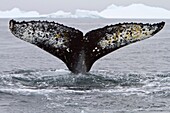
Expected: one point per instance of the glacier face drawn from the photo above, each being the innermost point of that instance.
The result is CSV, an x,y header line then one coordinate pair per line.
x,y
112,11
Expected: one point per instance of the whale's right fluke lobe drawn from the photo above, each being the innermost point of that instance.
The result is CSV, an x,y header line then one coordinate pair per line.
x,y
80,52
104,40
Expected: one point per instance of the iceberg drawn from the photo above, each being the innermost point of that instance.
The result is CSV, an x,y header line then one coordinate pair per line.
x,y
86,14
78,14
132,11
17,13
60,14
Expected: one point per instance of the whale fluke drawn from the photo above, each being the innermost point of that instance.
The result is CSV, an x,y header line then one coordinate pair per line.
x,y
80,52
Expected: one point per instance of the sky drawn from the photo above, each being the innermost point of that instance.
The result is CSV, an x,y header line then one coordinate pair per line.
x,y
50,6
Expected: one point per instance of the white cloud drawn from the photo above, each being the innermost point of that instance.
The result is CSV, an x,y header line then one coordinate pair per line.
x,y
113,11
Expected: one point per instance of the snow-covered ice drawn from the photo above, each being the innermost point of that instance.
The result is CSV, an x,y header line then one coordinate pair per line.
x,y
134,11
112,11
17,13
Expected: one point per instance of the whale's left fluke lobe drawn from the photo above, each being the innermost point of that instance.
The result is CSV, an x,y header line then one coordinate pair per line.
x,y
79,52
59,40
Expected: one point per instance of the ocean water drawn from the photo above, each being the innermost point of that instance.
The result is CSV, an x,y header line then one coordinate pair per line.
x,y
133,79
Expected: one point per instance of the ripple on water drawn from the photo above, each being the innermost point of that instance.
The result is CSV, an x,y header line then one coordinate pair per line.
x,y
102,81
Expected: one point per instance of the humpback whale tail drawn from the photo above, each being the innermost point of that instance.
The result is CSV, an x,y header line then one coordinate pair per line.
x,y
80,52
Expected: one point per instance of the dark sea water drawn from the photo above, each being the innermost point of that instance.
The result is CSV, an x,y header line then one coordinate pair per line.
x,y
133,79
